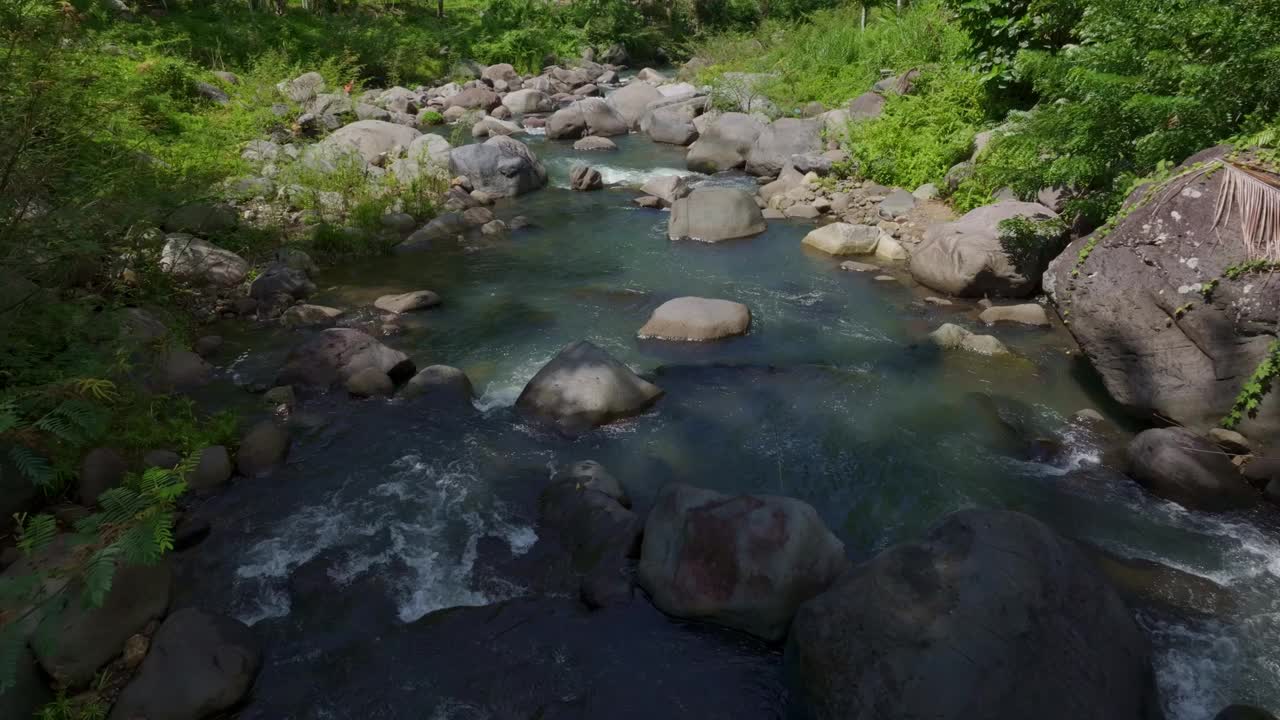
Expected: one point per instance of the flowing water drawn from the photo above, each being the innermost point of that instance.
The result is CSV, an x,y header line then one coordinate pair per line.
x,y
389,511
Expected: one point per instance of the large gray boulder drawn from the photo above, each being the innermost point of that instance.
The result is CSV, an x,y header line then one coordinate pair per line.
x,y
74,640
725,143
844,239
972,257
1124,300
672,124
631,101
992,615
190,258
747,562
480,98
528,101
583,386
588,116
1178,464
715,214
334,355
697,319
588,511
199,665
781,139
500,165
867,106
371,139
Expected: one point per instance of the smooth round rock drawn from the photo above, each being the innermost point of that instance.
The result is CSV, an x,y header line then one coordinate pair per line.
x,y
697,319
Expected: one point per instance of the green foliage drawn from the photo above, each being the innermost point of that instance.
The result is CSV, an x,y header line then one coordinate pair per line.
x,y
430,117
1235,272
920,136
1027,241
1258,385
1151,82
829,58
77,708
1000,29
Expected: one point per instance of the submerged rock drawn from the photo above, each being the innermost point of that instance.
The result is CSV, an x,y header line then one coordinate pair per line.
x,y
697,319
1026,314
746,562
1177,464
582,506
585,178
440,383
407,302
583,386
954,337
263,449
593,143
715,214
992,615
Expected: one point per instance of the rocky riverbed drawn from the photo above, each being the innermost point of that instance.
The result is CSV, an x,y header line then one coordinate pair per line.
x,y
658,418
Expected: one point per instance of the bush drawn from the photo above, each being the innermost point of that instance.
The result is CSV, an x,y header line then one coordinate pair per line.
x,y
829,58
920,136
1152,82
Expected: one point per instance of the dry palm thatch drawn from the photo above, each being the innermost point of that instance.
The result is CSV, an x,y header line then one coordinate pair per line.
x,y
1254,194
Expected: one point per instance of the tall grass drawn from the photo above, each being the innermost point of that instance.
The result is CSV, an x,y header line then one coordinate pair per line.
x,y
828,57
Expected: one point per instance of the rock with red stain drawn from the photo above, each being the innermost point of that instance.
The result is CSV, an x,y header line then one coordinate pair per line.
x,y
747,562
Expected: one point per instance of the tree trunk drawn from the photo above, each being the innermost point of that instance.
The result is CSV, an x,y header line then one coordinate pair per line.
x,y
440,8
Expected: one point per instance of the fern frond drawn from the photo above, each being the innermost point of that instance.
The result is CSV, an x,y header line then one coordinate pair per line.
x,y
99,573
32,466
9,417
36,531
121,504
12,648
98,389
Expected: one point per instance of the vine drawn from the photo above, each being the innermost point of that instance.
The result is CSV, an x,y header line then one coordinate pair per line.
x,y
1250,397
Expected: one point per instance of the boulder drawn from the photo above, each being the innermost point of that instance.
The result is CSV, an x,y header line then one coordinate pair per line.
x,y
199,665
672,125
954,337
890,249
302,88
500,165
73,640
1026,314
867,106
407,302
992,615
747,562
370,382
1124,302
725,144
1230,440
583,386
585,178
371,139
178,371
592,143
489,126
101,469
190,258
715,214
442,226
697,319
279,278
262,449
305,315
202,219
649,75
589,116
667,188
501,72
440,383
631,101
480,98
971,257
523,102
213,469
584,506
781,139
898,203
1179,465
844,239
331,356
